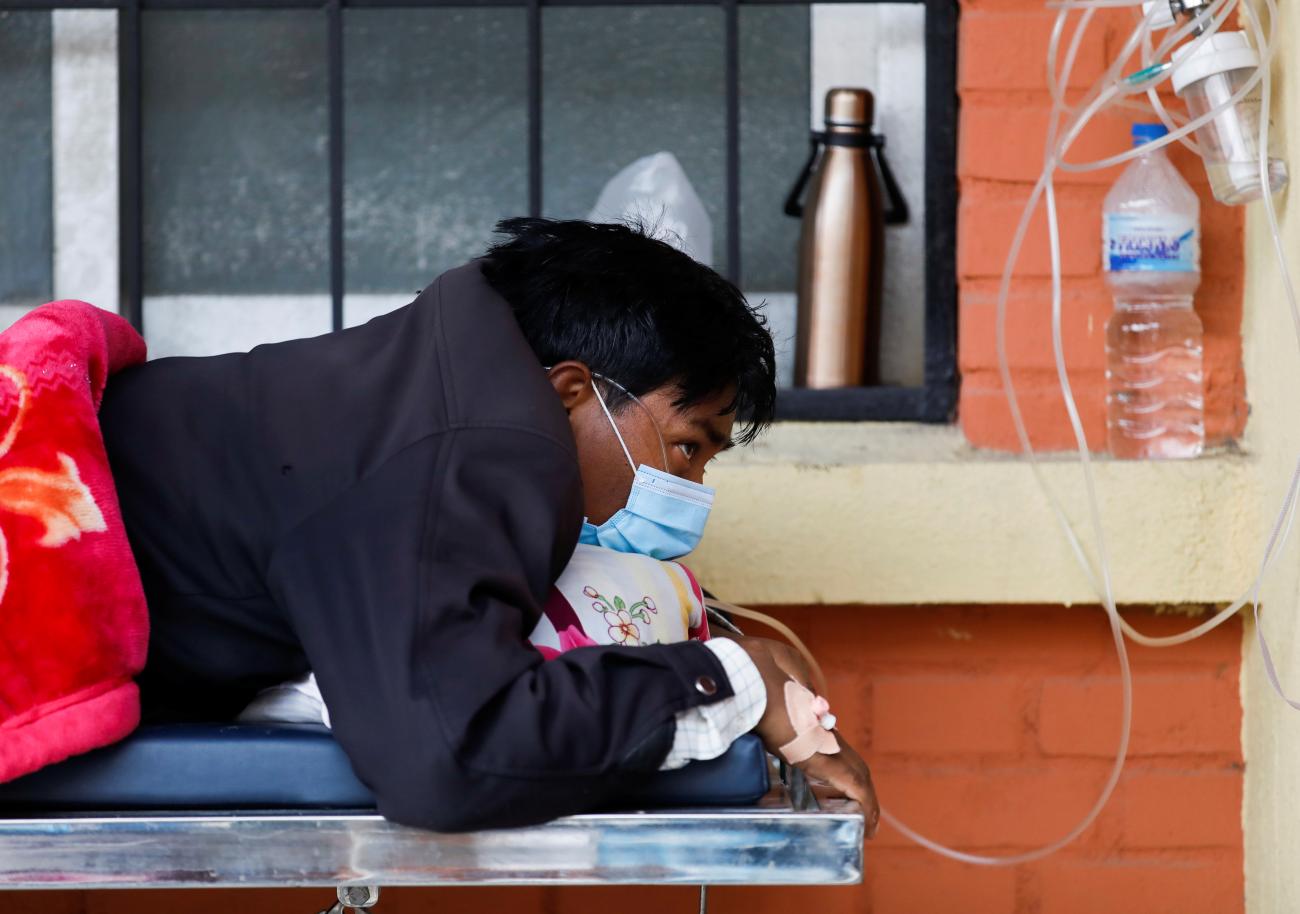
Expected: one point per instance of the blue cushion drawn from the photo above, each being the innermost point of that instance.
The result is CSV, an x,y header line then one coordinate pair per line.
x,y
300,766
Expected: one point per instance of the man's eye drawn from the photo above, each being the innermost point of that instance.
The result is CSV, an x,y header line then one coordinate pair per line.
x,y
689,449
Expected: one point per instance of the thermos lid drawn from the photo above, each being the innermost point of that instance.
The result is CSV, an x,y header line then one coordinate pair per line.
x,y
849,108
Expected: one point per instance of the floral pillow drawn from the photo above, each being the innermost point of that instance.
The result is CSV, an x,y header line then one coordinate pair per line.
x,y
603,597
608,597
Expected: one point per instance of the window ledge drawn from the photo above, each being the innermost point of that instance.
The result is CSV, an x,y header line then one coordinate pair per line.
x,y
900,513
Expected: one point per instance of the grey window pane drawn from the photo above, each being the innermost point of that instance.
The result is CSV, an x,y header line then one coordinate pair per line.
x,y
881,47
899,84
625,82
774,88
436,139
236,183
26,217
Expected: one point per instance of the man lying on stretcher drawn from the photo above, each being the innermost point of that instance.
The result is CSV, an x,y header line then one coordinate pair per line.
x,y
389,506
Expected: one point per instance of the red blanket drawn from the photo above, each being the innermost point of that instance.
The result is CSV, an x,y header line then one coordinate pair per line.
x,y
73,624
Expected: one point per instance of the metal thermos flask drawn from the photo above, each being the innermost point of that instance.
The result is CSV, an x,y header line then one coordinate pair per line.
x,y
841,246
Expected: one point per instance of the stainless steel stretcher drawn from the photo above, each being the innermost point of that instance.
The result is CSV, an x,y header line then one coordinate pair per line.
x,y
278,806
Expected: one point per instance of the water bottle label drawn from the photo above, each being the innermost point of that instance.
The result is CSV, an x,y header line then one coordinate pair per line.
x,y
1141,242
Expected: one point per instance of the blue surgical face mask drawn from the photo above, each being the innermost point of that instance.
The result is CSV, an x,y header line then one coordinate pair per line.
x,y
665,514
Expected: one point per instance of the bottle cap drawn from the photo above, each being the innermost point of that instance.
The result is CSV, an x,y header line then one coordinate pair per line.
x,y
1220,53
849,108
1146,133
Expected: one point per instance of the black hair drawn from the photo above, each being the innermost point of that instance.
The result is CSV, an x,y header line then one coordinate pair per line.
x,y
636,310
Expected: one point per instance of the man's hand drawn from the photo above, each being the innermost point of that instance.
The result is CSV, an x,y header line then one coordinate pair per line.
x,y
845,772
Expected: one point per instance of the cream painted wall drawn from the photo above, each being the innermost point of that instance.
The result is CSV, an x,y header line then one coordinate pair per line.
x,y
901,514
1271,731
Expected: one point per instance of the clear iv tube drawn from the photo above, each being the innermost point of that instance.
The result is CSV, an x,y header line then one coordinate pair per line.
x,y
1086,115
1196,25
819,678
1111,86
717,606
1110,90
1173,136
1091,4
1153,97
1044,190
1289,503
1121,652
1266,48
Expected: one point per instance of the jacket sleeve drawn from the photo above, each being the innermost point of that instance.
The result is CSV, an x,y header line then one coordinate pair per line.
x,y
412,595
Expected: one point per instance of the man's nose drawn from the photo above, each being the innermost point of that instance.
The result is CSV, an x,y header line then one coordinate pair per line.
x,y
688,472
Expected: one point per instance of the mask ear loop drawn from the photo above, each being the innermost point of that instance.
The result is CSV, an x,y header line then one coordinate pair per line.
x,y
614,426
663,450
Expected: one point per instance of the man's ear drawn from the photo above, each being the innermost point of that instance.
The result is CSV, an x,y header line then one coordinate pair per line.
x,y
572,381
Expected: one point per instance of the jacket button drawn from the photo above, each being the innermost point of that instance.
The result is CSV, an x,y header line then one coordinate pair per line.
x,y
706,686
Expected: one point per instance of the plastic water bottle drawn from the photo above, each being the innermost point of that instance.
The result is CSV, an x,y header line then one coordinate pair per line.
x,y
1151,253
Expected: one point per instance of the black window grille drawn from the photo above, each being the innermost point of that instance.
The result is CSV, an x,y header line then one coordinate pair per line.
x,y
932,401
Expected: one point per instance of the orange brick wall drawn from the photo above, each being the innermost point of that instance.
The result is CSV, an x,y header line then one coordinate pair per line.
x,y
991,728
1004,112
987,727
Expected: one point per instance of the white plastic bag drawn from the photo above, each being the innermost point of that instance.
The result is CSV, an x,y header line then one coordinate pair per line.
x,y
655,191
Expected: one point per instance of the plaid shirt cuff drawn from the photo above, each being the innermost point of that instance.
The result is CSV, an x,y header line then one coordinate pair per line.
x,y
706,731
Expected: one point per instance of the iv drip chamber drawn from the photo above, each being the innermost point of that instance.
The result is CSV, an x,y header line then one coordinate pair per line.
x,y
1205,78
